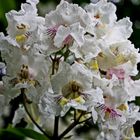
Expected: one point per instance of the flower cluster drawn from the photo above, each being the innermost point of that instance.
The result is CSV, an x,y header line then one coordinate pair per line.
x,y
75,61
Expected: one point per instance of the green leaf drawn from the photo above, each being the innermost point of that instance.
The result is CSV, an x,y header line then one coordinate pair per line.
x,y
24,132
5,6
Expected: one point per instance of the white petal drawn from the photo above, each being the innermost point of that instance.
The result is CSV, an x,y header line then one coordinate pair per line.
x,y
19,114
60,36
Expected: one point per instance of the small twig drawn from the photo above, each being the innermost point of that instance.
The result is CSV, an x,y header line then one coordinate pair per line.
x,y
85,120
70,127
66,54
74,115
60,57
54,63
56,125
51,57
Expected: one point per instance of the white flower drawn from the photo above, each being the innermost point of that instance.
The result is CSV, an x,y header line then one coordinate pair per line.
x,y
34,87
32,58
48,105
67,14
67,73
121,55
75,81
23,26
114,33
95,98
120,31
127,88
104,25
19,114
72,87
24,70
75,31
89,50
111,118
117,91
65,25
102,12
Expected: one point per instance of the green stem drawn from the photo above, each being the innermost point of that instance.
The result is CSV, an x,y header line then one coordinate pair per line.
x,y
30,116
53,67
55,61
66,54
70,127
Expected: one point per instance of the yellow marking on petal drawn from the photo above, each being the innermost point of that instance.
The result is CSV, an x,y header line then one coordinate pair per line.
x,y
21,38
132,131
32,82
71,89
78,113
94,64
79,100
85,117
122,107
107,115
120,59
126,139
63,101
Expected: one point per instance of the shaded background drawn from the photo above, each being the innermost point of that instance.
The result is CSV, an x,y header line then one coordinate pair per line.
x,y
130,8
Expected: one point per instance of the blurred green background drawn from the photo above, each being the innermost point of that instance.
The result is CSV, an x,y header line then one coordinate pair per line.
x,y
130,8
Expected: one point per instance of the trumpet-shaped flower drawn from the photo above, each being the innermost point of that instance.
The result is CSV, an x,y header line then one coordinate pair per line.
x,y
23,26
72,87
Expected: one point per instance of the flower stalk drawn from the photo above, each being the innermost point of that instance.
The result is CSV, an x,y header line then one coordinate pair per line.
x,y
30,116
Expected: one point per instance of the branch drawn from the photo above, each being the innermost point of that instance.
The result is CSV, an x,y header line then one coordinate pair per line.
x,y
70,127
56,125
30,116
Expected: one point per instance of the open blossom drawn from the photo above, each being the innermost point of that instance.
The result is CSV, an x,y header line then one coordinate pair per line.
x,y
102,12
89,50
120,55
72,87
25,20
65,25
26,69
24,25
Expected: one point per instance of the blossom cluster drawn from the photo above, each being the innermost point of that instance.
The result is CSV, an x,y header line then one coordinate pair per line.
x,y
74,60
